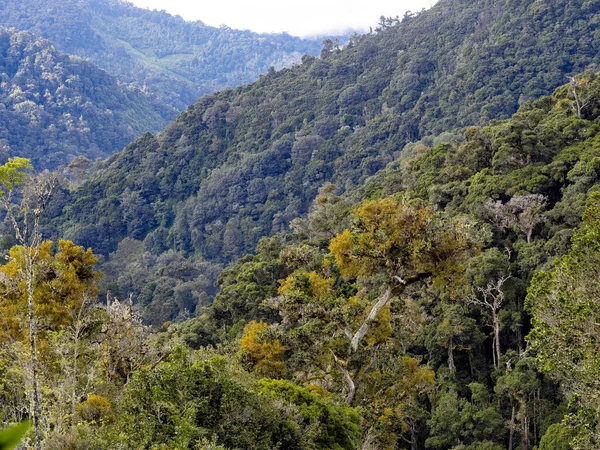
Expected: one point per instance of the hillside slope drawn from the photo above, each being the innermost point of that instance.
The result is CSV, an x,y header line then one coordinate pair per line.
x,y
54,107
242,163
175,59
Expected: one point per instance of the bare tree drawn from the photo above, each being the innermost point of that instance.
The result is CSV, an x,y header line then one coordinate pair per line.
x,y
525,212
491,298
529,212
24,216
580,105
126,341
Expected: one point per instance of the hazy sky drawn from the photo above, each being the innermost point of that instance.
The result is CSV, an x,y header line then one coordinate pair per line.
x,y
300,18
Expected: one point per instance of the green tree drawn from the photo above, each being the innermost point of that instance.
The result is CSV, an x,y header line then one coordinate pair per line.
x,y
565,305
403,243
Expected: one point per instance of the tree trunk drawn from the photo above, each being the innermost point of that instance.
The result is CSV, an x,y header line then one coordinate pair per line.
x,y
348,379
577,101
367,441
74,377
37,404
451,365
496,323
364,328
526,433
413,436
512,429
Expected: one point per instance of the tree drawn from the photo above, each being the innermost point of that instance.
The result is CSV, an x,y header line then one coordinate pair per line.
x,y
525,212
456,422
404,243
565,305
27,232
576,84
188,397
63,292
520,385
266,353
490,298
337,316
330,426
453,330
126,341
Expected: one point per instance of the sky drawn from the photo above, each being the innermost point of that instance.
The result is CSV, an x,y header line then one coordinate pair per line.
x,y
303,18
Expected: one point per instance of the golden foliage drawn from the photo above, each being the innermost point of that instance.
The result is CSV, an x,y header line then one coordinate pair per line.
x,y
96,410
61,282
265,352
381,329
402,239
308,283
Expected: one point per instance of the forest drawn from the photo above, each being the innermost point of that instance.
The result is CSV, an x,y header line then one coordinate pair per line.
x,y
55,107
175,60
394,245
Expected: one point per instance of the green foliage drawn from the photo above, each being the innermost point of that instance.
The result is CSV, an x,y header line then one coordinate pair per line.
x,y
174,59
564,304
180,402
96,410
12,175
245,285
557,437
56,107
11,437
166,286
242,163
324,424
373,316
458,423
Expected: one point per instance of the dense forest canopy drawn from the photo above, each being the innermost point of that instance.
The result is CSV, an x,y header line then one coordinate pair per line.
x,y
55,107
243,163
172,58
404,238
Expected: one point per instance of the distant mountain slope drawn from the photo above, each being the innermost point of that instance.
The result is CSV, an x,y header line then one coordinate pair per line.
x,y
54,107
176,59
243,163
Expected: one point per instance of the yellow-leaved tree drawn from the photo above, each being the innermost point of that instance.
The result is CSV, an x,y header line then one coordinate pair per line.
x,y
402,243
264,350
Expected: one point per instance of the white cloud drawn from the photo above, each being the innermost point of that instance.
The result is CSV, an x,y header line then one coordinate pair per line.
x,y
300,18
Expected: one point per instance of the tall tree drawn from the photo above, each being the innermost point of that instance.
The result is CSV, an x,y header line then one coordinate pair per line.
x,y
403,243
25,219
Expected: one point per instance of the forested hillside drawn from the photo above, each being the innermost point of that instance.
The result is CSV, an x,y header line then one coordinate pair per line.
x,y
172,58
425,309
404,234
413,300
54,107
242,163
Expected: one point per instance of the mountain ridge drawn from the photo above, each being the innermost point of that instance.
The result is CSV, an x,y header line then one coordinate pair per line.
x,y
256,155
173,58
55,107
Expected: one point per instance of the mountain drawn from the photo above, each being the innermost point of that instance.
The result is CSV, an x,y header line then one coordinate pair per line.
x,y
441,295
54,107
241,164
442,246
175,59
